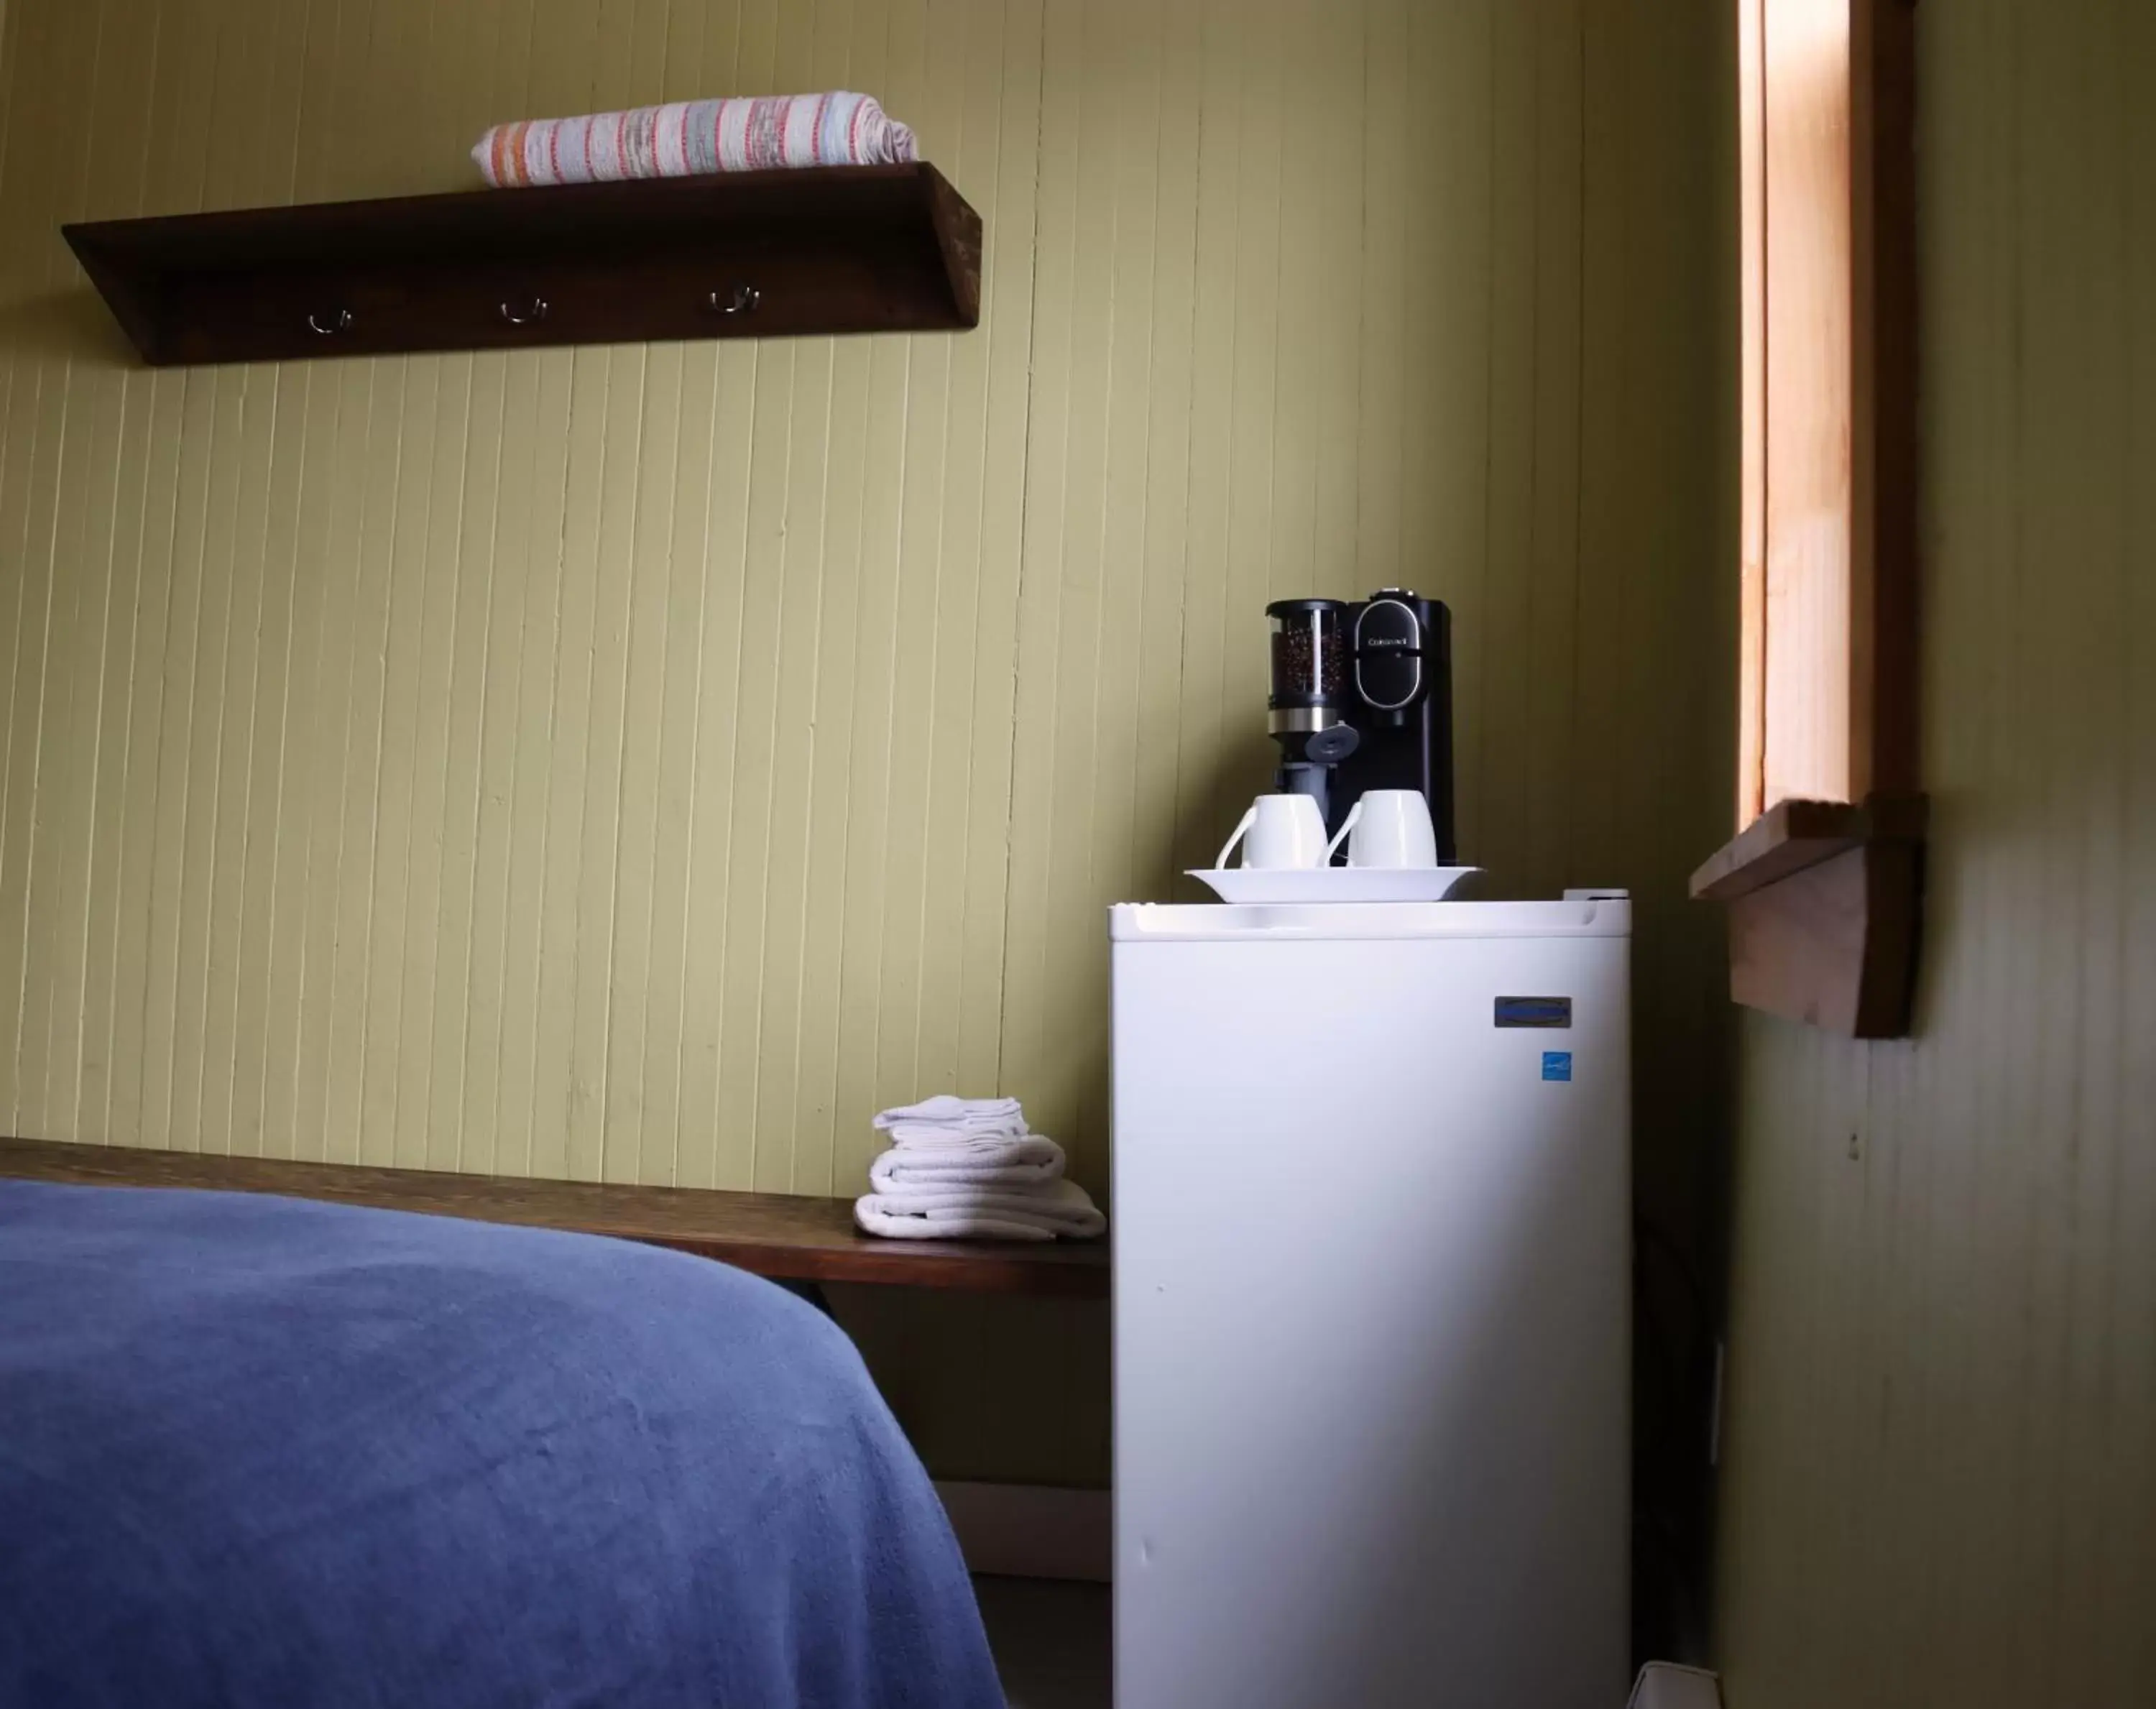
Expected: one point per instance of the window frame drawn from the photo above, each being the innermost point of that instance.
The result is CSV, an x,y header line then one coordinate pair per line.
x,y
1822,879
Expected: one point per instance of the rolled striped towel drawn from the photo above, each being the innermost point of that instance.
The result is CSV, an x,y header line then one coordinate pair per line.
x,y
685,138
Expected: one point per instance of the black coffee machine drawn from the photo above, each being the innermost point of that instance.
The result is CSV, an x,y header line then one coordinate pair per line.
x,y
1361,699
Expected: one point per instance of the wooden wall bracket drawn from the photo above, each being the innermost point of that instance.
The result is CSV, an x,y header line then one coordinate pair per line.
x,y
1824,900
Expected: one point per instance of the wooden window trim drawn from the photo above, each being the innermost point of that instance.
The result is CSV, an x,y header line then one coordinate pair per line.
x,y
1824,878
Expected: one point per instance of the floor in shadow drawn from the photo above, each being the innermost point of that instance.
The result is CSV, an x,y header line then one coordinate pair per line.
x,y
1051,1638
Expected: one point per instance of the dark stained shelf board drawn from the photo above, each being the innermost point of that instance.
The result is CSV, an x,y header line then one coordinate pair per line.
x,y
773,1234
823,249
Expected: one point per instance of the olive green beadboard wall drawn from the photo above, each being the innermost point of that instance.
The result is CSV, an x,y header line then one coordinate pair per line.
x,y
645,763
1939,1477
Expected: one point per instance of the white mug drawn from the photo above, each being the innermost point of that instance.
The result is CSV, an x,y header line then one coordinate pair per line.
x,y
1280,831
1390,828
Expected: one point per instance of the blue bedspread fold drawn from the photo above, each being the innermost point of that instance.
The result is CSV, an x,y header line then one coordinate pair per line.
x,y
261,1451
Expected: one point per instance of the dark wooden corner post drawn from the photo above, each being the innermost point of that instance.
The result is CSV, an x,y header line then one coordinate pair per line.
x,y
1824,880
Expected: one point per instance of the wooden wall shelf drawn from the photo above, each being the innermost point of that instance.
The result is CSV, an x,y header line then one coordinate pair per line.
x,y
822,249
787,1238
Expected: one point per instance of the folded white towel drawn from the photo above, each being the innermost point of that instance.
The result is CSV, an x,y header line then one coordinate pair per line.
x,y
980,1148
1009,1162
945,1226
1064,1205
928,1135
1061,1209
943,1109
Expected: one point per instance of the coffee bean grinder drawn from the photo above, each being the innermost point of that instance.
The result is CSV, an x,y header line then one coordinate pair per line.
x,y
1361,699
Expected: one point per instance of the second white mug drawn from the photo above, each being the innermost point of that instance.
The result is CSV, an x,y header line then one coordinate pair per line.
x,y
1391,827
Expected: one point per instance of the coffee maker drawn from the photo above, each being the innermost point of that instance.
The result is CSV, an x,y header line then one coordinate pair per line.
x,y
1361,699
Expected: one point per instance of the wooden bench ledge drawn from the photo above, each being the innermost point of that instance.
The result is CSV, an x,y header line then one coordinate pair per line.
x,y
773,1234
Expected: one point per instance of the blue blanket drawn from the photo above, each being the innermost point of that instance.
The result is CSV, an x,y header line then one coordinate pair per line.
x,y
260,1451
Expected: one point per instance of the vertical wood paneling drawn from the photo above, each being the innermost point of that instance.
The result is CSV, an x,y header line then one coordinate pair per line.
x,y
644,763
1941,1486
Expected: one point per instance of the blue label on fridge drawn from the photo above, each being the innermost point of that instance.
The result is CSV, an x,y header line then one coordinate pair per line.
x,y
1557,1064
1534,1012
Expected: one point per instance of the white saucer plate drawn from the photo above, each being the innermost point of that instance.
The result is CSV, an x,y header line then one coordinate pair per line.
x,y
1334,883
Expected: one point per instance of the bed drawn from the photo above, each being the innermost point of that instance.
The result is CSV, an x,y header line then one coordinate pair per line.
x,y
263,1451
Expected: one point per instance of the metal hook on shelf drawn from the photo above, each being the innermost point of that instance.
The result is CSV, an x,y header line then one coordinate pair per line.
x,y
742,299
536,309
339,321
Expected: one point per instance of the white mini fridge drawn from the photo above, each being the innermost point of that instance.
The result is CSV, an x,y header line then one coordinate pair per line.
x,y
1371,1197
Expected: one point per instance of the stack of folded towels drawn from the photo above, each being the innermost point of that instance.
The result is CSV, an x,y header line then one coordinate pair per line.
x,y
969,1168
